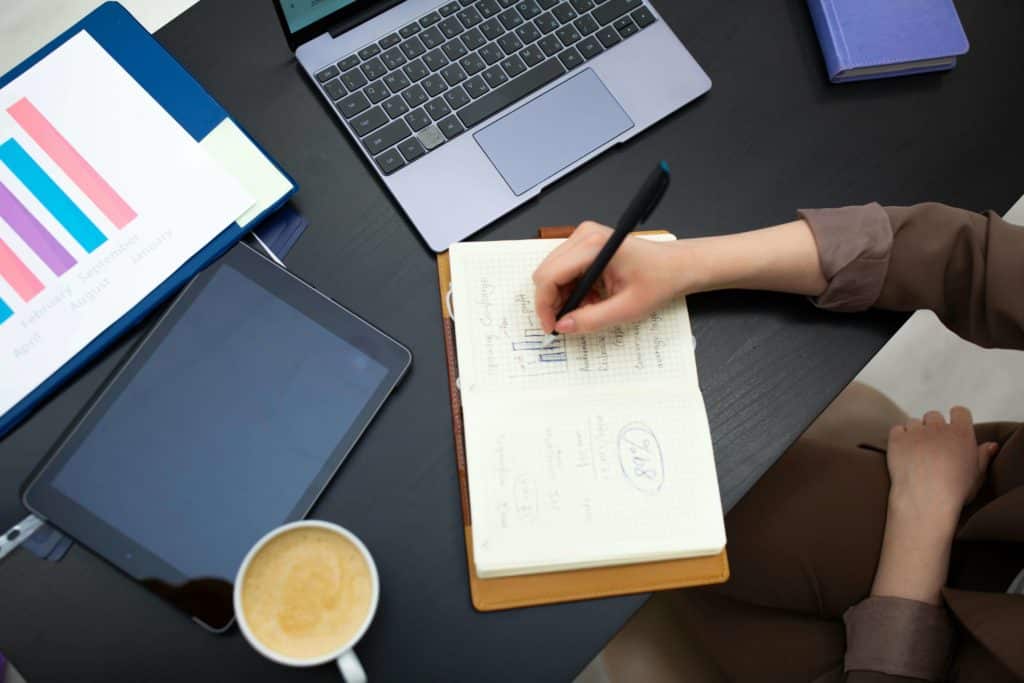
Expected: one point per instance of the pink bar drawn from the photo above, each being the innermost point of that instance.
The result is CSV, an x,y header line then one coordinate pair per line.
x,y
17,274
71,162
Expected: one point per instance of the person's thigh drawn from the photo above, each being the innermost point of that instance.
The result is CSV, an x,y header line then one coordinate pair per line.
x,y
807,536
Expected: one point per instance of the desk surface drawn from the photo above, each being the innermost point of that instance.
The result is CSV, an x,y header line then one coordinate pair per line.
x,y
772,135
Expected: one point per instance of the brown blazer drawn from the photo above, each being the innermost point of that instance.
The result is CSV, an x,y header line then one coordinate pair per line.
x,y
969,269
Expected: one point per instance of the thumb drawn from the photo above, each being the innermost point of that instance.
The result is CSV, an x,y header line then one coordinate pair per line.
x,y
616,309
986,452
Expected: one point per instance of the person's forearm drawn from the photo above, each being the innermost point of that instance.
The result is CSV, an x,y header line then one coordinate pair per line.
x,y
915,554
783,258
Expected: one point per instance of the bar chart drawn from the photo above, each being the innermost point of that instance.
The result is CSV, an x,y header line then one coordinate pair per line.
x,y
35,181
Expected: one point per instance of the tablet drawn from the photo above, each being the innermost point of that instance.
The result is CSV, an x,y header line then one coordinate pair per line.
x,y
228,419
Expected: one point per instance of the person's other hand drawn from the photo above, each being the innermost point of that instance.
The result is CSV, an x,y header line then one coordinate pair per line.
x,y
641,278
936,467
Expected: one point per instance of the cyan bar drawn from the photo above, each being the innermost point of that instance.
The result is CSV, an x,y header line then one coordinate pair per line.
x,y
41,185
5,311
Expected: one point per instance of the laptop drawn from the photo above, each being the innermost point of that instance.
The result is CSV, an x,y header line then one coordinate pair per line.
x,y
468,108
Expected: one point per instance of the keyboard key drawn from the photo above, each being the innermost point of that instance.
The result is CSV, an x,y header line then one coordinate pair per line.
x,y
409,31
416,70
396,81
389,41
449,9
571,58
456,97
354,79
390,161
551,45
334,89
382,138
643,17
625,27
349,62
418,119
414,96
431,138
582,6
612,10
434,85
564,12
369,121
472,64
432,37
568,35
492,29
327,74
453,74
396,107
511,92
368,52
470,17
451,127
547,4
438,109
393,58
513,66
505,4
586,25
546,23
377,92
374,69
495,77
608,37
488,8
455,50
510,18
510,43
430,19
475,87
528,9
450,27
413,48
473,39
590,47
352,105
435,60
492,54
528,33
532,55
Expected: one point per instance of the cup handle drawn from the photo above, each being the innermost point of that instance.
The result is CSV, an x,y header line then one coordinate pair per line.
x,y
351,669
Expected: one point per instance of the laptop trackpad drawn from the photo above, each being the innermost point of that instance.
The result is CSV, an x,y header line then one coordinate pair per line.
x,y
536,141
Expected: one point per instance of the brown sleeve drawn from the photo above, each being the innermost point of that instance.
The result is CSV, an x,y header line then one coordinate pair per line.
x,y
964,266
903,639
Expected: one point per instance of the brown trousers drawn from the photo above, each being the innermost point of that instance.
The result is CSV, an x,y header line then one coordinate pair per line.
x,y
803,547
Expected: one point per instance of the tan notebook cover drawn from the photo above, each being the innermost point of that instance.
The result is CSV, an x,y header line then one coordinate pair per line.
x,y
540,589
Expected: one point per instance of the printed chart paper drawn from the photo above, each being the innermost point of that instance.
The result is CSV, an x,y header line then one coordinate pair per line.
x,y
102,197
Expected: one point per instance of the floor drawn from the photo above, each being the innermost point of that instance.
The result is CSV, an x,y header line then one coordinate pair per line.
x,y
923,367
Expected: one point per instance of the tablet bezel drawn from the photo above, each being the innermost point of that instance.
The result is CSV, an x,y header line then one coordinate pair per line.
x,y
209,603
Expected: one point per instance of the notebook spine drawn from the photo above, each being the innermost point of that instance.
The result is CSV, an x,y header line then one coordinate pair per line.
x,y
830,38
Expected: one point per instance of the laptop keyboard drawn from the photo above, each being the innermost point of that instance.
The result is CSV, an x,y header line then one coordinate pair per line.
x,y
414,90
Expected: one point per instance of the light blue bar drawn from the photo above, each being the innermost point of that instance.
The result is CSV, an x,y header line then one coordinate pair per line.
x,y
85,232
5,312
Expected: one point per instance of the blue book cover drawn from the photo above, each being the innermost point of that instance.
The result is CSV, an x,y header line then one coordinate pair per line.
x,y
864,39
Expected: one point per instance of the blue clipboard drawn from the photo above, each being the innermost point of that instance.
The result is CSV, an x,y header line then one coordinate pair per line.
x,y
114,28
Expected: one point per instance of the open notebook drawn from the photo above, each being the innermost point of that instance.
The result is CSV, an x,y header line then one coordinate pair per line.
x,y
592,452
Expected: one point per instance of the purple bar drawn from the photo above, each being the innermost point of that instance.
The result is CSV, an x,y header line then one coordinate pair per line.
x,y
33,233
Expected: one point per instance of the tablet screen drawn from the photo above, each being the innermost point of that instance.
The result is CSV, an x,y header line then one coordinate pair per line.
x,y
219,427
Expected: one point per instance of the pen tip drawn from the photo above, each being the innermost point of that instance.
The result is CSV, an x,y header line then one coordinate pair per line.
x,y
664,167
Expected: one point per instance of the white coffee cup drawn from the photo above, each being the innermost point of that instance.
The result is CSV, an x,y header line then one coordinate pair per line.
x,y
351,670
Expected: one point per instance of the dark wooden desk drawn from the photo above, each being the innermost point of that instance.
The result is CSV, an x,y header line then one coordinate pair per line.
x,y
771,136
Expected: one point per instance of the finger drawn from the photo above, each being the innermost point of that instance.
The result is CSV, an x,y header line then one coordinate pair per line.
x,y
913,423
986,452
934,418
612,311
553,274
961,417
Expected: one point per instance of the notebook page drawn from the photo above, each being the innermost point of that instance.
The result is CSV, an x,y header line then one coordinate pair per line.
x,y
595,451
499,337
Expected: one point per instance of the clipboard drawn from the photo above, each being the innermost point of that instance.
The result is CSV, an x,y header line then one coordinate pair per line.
x,y
489,595
174,89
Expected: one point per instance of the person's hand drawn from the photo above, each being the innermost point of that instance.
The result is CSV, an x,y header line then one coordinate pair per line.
x,y
641,278
936,467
